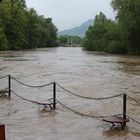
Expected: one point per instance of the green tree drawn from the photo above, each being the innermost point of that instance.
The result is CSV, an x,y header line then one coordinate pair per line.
x,y
128,16
119,36
14,25
32,33
77,40
63,39
23,28
96,36
3,40
52,33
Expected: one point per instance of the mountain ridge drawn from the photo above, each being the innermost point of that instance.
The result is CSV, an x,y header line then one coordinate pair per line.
x,y
77,31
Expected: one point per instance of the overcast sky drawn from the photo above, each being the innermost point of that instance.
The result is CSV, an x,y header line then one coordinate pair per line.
x,y
70,13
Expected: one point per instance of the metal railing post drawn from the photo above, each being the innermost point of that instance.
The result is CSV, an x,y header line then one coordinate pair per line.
x,y
124,108
54,95
9,84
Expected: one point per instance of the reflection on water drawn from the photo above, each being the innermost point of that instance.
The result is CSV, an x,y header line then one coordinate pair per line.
x,y
89,74
121,134
130,67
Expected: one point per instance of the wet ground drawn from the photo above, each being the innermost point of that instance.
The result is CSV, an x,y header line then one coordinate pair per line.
x,y
85,73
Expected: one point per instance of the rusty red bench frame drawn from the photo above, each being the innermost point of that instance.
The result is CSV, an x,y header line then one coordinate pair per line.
x,y
116,119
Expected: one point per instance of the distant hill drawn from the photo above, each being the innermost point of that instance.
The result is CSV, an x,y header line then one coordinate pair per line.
x,y
77,31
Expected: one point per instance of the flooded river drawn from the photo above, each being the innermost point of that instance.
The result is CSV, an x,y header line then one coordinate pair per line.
x,y
84,73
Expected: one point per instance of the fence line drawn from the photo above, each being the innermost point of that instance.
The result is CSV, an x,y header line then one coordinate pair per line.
x,y
3,77
76,112
23,97
91,98
86,115
79,113
133,100
133,119
41,86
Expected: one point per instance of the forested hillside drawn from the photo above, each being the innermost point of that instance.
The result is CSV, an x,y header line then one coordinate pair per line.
x,y
77,31
22,28
119,36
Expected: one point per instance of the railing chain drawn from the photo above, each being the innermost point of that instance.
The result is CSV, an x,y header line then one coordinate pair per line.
x,y
23,97
133,99
91,98
3,77
45,85
86,115
133,119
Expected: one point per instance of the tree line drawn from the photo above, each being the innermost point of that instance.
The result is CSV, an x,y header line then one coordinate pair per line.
x,y
23,28
64,40
121,36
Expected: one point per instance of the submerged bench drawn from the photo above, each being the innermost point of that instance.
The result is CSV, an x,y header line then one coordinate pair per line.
x,y
3,92
115,119
46,103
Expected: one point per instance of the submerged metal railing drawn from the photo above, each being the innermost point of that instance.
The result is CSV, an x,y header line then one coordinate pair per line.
x,y
125,96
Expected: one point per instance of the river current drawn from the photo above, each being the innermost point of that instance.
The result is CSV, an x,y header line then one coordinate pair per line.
x,y
89,74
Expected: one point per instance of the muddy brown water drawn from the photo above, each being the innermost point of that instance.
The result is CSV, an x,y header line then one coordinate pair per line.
x,y
85,73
